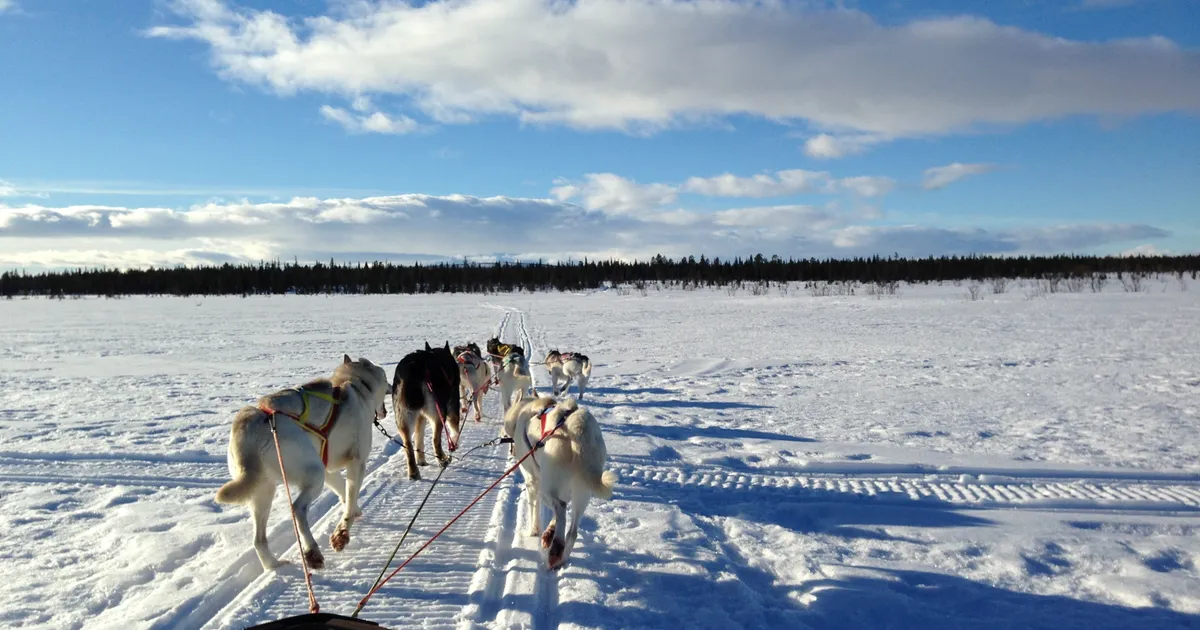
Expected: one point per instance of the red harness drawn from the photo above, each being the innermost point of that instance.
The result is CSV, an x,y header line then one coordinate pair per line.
x,y
321,432
545,434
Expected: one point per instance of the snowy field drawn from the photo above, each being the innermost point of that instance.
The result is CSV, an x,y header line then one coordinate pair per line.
x,y
786,461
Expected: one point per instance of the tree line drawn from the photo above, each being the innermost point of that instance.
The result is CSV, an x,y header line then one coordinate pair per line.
x,y
466,277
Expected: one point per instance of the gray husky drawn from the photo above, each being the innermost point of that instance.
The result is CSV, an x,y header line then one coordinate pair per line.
x,y
567,366
323,427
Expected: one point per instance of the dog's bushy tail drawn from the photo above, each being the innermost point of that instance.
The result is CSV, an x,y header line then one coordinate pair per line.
x,y
587,367
588,448
244,458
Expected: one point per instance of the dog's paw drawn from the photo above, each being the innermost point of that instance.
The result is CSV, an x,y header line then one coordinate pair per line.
x,y
414,474
314,558
339,538
274,564
548,537
555,558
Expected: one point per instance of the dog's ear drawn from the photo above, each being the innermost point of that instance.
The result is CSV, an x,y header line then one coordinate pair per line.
x,y
346,358
427,346
447,344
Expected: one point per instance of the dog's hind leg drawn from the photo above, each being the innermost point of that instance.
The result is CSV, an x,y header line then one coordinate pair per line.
x,y
533,505
419,435
355,471
579,505
581,383
479,405
552,538
310,482
438,427
260,509
404,422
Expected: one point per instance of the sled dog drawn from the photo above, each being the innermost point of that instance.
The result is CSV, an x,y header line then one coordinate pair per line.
x,y
323,427
497,351
570,468
514,376
475,375
426,386
567,366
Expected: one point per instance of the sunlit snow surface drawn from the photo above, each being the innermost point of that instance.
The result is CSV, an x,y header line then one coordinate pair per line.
x,y
786,461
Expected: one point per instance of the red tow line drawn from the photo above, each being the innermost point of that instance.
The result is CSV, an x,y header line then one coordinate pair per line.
x,y
540,443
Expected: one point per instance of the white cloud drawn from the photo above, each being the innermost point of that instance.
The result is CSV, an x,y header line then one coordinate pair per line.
x,y
783,183
942,176
827,147
366,118
1147,249
612,193
423,227
7,5
640,65
867,186
9,189
917,240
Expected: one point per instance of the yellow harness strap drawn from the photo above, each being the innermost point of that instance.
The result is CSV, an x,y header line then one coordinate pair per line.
x,y
321,432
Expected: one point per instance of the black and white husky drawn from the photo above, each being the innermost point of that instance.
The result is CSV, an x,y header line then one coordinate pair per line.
x,y
425,386
570,468
323,427
567,366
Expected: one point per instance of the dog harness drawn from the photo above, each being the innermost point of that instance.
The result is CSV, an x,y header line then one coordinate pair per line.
x,y
545,433
321,432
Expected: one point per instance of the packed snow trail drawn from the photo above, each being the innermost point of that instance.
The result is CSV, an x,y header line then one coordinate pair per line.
x,y
430,591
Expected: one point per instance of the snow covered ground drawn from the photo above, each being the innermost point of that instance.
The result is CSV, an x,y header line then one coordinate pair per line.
x,y
786,461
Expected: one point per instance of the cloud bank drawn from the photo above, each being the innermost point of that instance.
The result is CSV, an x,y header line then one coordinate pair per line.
x,y
423,227
645,65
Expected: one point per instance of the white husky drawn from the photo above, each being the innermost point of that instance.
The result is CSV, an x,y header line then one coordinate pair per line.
x,y
323,427
567,366
569,468
514,377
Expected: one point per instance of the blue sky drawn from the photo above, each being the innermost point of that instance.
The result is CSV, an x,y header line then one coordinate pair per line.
x,y
139,133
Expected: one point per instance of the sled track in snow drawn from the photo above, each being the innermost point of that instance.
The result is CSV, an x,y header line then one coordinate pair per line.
x,y
431,592
511,588
115,471
1043,494
245,595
